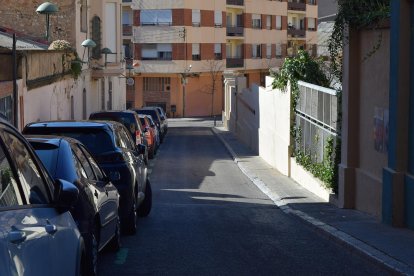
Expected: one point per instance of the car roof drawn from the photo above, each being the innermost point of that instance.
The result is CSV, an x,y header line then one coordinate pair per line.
x,y
51,139
114,112
75,124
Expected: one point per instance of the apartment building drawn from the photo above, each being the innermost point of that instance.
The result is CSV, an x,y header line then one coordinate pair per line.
x,y
181,48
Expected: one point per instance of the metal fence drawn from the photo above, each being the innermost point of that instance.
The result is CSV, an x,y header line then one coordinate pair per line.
x,y
316,119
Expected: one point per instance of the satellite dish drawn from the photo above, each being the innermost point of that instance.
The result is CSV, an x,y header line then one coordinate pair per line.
x,y
130,81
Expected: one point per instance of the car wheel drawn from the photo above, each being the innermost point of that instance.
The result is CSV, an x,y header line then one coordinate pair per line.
x,y
115,242
146,206
131,225
91,263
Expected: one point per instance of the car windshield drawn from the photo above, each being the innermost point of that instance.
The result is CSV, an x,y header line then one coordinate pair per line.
x,y
153,113
48,155
128,121
97,141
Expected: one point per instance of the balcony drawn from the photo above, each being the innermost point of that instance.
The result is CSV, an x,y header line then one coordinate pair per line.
x,y
298,33
235,2
126,30
297,6
235,62
235,30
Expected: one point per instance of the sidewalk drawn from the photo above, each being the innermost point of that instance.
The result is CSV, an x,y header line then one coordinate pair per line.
x,y
392,248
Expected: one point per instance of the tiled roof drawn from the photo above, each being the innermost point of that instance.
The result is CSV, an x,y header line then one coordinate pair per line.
x,y
22,43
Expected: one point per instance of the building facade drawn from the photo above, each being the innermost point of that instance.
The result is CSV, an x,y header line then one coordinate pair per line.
x,y
46,92
182,48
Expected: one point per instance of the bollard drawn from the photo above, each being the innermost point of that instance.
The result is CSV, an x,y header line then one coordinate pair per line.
x,y
214,120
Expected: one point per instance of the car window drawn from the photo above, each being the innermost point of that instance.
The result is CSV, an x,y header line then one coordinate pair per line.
x,y
48,154
93,163
138,122
27,170
9,194
125,140
84,162
78,166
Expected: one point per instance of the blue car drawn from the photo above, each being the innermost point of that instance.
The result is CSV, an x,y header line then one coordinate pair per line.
x,y
38,234
96,211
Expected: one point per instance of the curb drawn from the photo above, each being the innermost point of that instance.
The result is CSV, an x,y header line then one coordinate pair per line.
x,y
353,244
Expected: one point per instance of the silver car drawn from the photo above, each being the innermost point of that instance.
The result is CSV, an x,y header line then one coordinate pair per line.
x,y
38,235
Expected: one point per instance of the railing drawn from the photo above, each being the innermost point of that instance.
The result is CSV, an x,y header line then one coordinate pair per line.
x,y
234,62
235,30
296,33
235,2
316,118
296,6
126,30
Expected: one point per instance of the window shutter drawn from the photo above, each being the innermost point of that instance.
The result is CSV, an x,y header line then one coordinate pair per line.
x,y
217,48
196,49
196,17
218,18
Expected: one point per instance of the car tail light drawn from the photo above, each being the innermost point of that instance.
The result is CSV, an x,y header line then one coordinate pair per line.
x,y
110,157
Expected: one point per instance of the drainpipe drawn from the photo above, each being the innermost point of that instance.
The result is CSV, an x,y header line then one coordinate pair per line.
x,y
15,94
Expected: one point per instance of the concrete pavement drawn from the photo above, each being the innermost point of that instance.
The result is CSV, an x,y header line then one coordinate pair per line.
x,y
392,248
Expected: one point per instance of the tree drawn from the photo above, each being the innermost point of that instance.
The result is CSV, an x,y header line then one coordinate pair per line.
x,y
215,69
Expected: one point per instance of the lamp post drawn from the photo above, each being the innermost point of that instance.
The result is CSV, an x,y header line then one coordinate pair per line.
x,y
88,43
47,9
184,82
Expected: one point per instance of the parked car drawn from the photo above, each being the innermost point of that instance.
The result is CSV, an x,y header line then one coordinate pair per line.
x,y
96,211
130,120
38,233
115,151
155,116
164,118
149,135
154,127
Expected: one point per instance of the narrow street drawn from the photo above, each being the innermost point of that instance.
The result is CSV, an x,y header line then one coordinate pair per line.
x,y
209,219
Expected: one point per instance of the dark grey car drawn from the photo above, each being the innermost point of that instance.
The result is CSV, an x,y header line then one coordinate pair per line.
x,y
38,234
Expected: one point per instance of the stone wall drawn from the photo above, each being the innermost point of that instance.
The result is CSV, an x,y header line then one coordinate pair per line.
x,y
21,16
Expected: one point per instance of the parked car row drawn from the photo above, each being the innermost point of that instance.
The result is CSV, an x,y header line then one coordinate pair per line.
x,y
100,187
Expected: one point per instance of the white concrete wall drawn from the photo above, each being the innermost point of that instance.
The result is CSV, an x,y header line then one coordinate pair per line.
x,y
274,130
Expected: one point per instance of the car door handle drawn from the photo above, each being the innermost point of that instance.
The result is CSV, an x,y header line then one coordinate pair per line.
x,y
51,229
96,194
106,192
16,236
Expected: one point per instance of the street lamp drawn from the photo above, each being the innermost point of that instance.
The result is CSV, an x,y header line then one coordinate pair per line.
x,y
184,76
87,44
47,9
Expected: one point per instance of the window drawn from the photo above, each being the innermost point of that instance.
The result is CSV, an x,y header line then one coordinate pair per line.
x,y
157,84
256,21
268,22
84,104
97,37
85,164
278,22
124,140
156,17
311,24
196,51
72,108
78,166
27,170
157,51
126,18
93,163
312,2
110,94
217,51
256,51
278,50
268,50
83,17
196,18
218,18
6,108
128,51
9,195
102,94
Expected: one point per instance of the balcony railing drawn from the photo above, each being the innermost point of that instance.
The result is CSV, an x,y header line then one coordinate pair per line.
x,y
126,30
234,62
235,2
296,6
297,33
235,30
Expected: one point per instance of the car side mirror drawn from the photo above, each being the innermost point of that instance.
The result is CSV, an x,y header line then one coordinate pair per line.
x,y
66,194
141,149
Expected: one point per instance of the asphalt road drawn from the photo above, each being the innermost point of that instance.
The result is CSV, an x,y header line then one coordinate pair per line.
x,y
209,219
